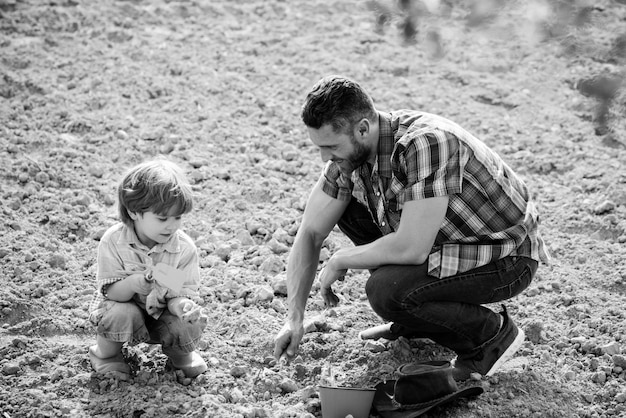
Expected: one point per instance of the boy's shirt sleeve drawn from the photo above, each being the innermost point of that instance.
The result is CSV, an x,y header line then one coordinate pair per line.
x,y
109,263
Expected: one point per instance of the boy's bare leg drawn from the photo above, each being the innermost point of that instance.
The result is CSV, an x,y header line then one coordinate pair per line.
x,y
105,348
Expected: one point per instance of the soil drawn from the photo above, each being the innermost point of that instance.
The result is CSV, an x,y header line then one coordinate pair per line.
x,y
88,89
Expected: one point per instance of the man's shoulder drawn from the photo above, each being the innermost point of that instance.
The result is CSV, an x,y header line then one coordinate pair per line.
x,y
423,128
411,120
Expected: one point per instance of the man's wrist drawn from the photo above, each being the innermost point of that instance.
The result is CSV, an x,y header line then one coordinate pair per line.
x,y
295,318
337,261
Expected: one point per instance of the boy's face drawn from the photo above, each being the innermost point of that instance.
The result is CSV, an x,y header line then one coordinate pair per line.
x,y
152,229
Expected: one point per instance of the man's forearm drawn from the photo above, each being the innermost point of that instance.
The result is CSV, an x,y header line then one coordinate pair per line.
x,y
384,251
301,270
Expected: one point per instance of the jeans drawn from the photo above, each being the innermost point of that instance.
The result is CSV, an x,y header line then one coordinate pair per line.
x,y
448,310
128,322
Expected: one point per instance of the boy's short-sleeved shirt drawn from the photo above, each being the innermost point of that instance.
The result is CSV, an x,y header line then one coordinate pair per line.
x,y
115,255
490,212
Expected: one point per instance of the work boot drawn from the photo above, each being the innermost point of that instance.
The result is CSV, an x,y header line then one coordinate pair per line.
x,y
488,358
192,364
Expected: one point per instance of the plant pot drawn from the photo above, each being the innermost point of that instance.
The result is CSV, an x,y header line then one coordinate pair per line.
x,y
337,402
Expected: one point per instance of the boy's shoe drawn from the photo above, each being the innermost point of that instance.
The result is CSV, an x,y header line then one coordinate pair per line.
x,y
192,364
110,364
493,354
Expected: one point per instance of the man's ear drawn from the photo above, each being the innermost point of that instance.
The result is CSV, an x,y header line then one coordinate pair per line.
x,y
362,128
134,215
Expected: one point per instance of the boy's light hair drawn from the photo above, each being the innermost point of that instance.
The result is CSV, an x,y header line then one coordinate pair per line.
x,y
154,186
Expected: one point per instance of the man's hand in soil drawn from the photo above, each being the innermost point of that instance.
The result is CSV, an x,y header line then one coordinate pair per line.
x,y
328,276
287,340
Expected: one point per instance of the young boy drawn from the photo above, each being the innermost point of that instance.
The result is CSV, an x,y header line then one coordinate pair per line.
x,y
132,306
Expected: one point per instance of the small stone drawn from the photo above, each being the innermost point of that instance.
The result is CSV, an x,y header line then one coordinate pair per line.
x,y
475,376
604,207
534,332
532,292
599,377
288,386
10,369
272,264
619,360
96,171
279,286
57,260
277,247
310,326
42,177
121,134
198,162
241,205
238,371
223,251
374,346
245,238
264,294
610,348
82,200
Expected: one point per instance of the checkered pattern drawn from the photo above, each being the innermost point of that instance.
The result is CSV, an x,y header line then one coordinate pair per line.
x,y
420,155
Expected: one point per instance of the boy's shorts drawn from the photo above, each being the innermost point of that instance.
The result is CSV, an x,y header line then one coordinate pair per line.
x,y
128,322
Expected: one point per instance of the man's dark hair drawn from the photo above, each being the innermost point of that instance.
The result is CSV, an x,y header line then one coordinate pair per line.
x,y
338,101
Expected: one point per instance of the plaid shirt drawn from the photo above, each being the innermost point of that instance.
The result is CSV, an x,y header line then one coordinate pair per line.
x,y
420,155
114,255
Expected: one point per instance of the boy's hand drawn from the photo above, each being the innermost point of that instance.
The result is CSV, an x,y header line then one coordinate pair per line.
x,y
141,285
191,312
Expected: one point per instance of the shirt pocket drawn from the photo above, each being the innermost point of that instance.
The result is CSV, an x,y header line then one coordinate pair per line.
x,y
395,201
360,197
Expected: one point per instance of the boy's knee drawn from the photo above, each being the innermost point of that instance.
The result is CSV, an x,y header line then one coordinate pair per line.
x,y
121,312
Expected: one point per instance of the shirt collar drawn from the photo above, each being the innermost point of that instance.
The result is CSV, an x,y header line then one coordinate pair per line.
x,y
386,144
382,164
129,236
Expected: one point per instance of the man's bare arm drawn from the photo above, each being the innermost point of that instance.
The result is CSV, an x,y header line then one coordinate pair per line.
x,y
320,216
409,245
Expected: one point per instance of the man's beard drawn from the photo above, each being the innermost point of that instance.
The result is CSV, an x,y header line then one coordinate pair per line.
x,y
357,158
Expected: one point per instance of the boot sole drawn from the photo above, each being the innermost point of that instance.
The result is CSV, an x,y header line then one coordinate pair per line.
x,y
509,352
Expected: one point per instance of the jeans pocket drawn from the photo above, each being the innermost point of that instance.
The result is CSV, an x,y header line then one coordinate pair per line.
x,y
513,287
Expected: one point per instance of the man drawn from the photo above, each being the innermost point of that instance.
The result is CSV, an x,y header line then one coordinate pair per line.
x,y
441,222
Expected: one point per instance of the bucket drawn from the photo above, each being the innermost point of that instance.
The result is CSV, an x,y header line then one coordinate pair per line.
x,y
337,402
